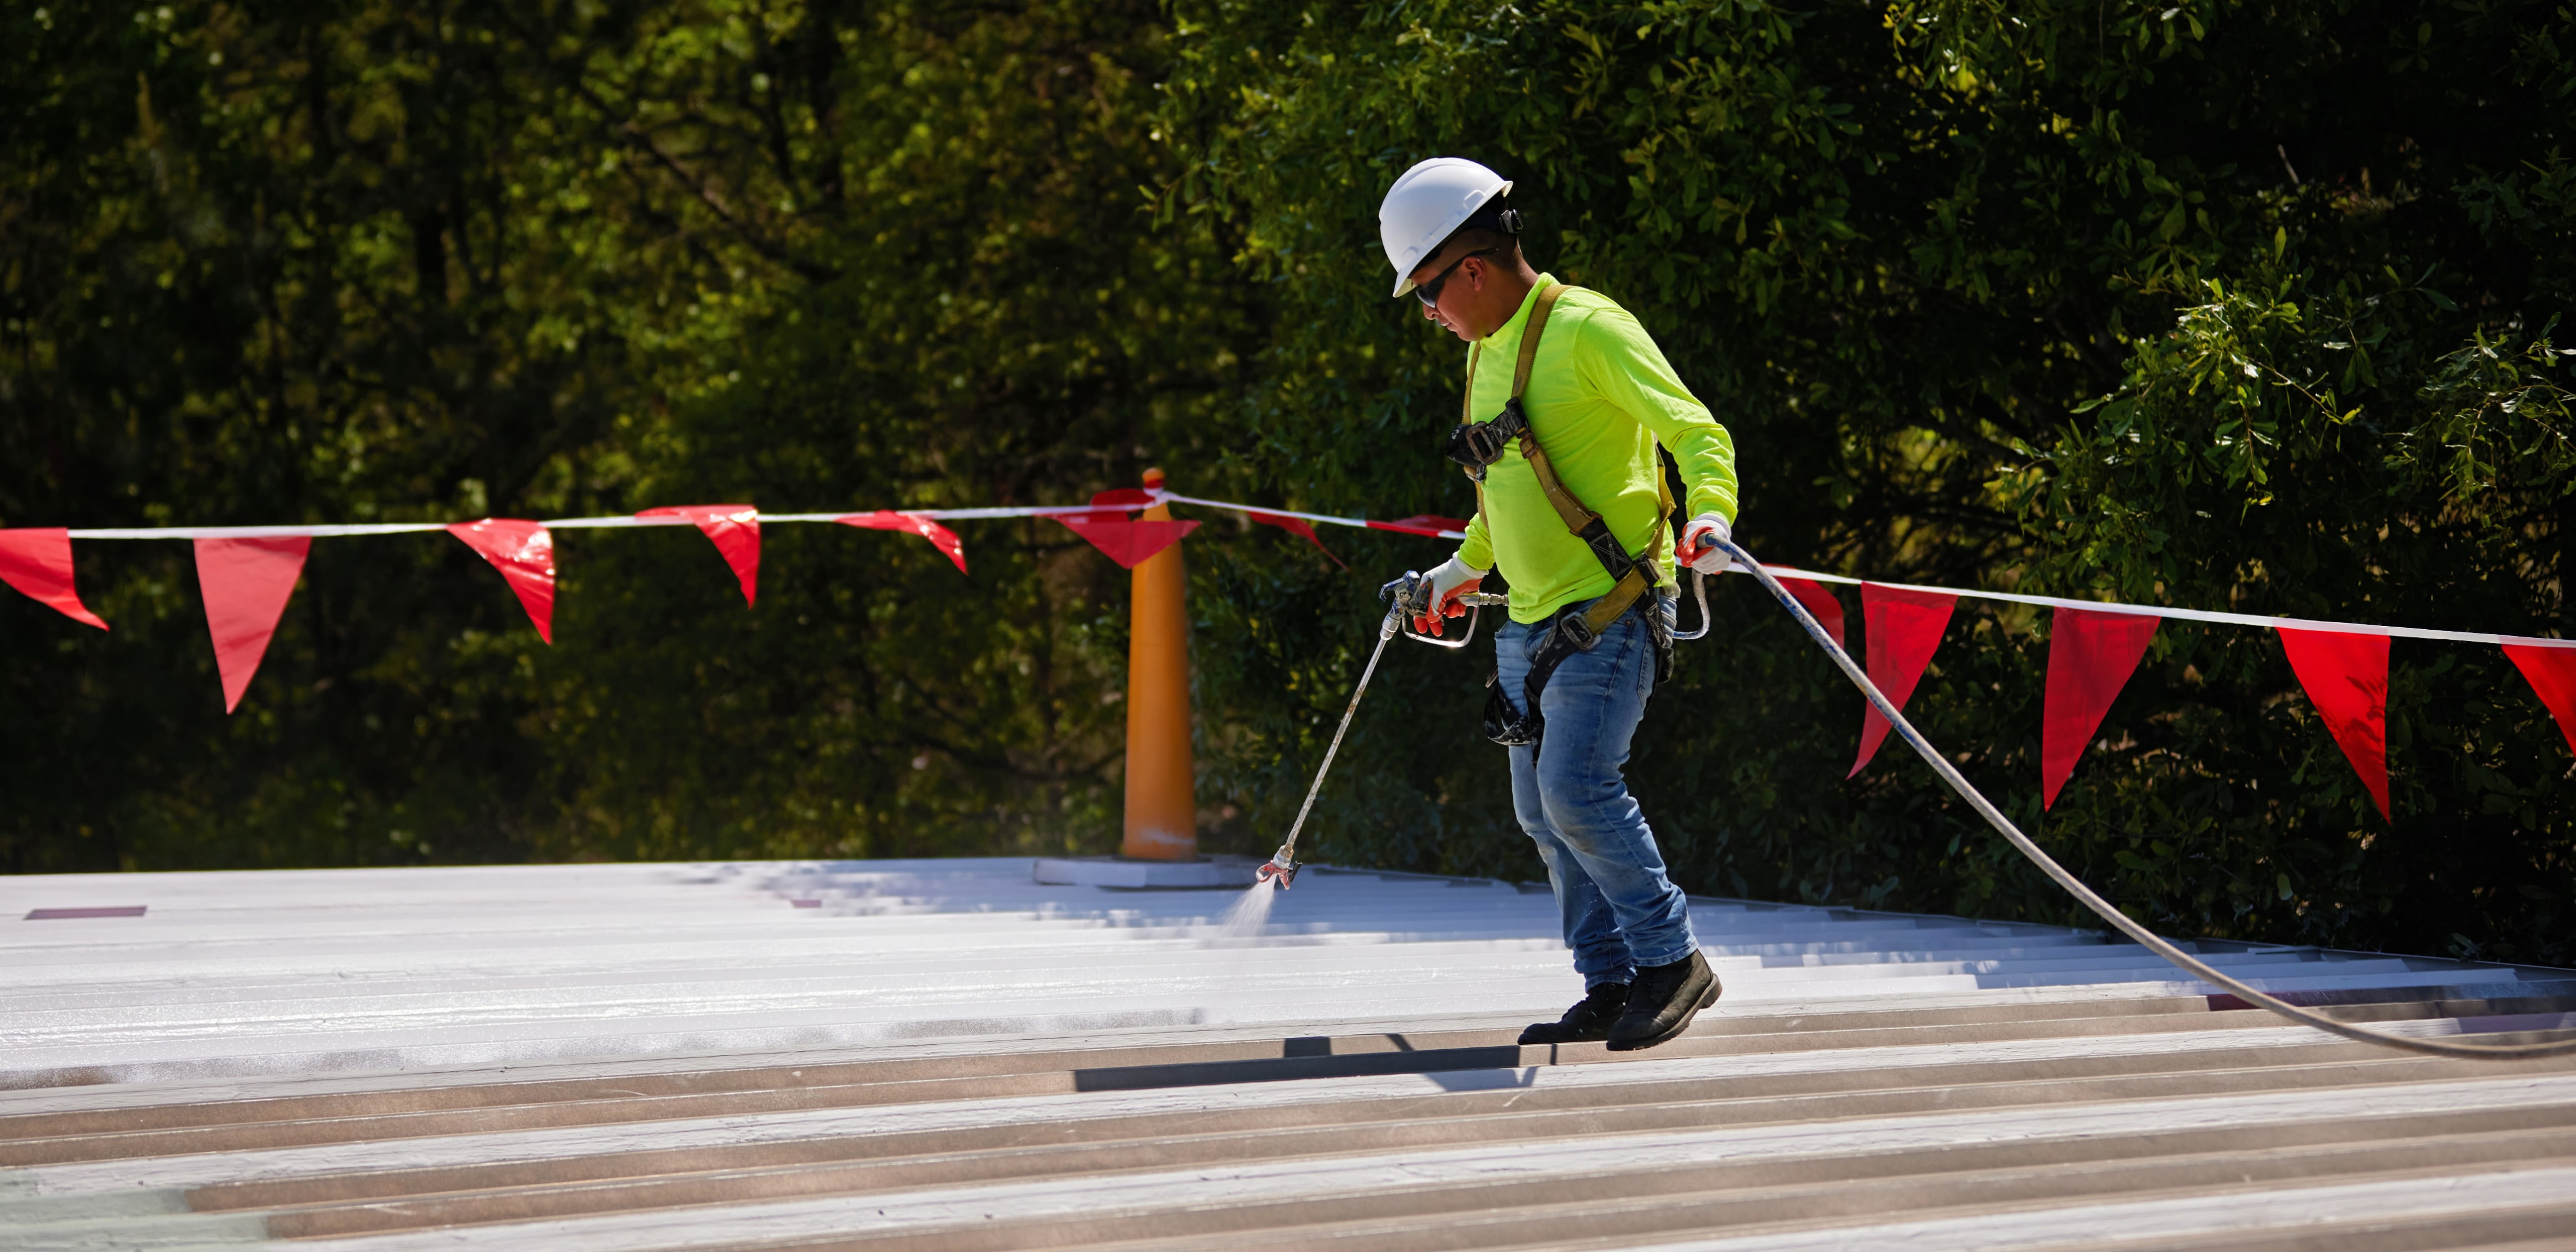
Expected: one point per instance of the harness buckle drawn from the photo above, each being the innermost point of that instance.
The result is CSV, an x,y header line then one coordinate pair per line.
x,y
1477,445
1576,632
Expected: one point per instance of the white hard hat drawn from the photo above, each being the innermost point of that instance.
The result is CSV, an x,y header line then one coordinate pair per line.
x,y
1422,208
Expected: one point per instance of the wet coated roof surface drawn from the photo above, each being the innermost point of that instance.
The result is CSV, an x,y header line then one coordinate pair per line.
x,y
944,1055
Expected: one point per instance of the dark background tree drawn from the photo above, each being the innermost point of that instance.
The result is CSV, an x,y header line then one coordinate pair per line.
x,y
2216,305
370,262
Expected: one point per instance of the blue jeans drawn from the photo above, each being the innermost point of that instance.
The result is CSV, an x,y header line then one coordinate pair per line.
x,y
1619,908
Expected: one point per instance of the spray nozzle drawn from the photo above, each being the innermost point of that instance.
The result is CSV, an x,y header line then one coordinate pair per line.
x,y
1280,867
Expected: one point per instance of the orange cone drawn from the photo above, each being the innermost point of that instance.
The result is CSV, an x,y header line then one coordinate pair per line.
x,y
1162,806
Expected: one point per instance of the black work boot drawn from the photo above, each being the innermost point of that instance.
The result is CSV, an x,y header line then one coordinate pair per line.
x,y
1662,1002
1587,1021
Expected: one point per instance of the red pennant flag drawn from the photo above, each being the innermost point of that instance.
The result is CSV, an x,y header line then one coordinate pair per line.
x,y
2090,657
38,561
525,554
1422,524
735,530
1126,499
940,537
1128,543
1295,526
246,583
1827,606
2346,676
2552,673
1904,630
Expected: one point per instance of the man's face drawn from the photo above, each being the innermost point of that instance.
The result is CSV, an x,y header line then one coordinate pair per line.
x,y
1458,281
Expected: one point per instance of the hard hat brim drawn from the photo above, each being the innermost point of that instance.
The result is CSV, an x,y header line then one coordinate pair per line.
x,y
1404,281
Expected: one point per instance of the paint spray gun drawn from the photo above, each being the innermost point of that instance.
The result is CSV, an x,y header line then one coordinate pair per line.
x,y
1406,598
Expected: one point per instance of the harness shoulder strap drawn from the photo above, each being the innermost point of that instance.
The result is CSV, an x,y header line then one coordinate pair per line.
x,y
1529,338
1569,510
1529,353
1467,402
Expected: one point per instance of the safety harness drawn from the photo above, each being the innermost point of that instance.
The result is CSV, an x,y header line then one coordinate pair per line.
x,y
1476,446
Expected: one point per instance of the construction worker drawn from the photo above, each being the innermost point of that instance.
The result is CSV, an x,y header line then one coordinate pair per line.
x,y
1566,400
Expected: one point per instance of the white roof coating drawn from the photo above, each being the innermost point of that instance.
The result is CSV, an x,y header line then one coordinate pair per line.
x,y
945,1054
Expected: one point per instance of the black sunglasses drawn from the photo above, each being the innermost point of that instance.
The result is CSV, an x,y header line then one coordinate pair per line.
x,y
1429,292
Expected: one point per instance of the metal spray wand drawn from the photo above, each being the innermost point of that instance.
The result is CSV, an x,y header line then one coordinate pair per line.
x,y
1406,597
1282,865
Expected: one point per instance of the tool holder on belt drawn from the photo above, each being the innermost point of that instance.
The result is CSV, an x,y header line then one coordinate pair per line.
x,y
1476,446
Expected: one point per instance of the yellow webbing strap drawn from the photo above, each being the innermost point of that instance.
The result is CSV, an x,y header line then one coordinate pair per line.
x,y
1633,584
1568,509
1547,298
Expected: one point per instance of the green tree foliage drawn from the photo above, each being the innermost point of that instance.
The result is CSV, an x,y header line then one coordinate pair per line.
x,y
371,262
2215,304
2210,304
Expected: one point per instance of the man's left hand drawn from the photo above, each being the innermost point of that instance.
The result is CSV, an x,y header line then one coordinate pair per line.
x,y
1701,546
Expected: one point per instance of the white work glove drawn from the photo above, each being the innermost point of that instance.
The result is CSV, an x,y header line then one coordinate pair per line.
x,y
1699,549
1448,581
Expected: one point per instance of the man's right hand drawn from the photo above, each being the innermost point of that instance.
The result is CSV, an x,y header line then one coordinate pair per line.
x,y
1442,587
1699,548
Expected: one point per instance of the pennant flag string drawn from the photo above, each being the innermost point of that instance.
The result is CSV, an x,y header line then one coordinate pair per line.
x,y
1429,525
2188,615
993,514
650,517
1420,524
318,531
248,573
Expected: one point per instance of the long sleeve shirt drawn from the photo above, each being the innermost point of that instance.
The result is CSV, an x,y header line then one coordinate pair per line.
x,y
1600,395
